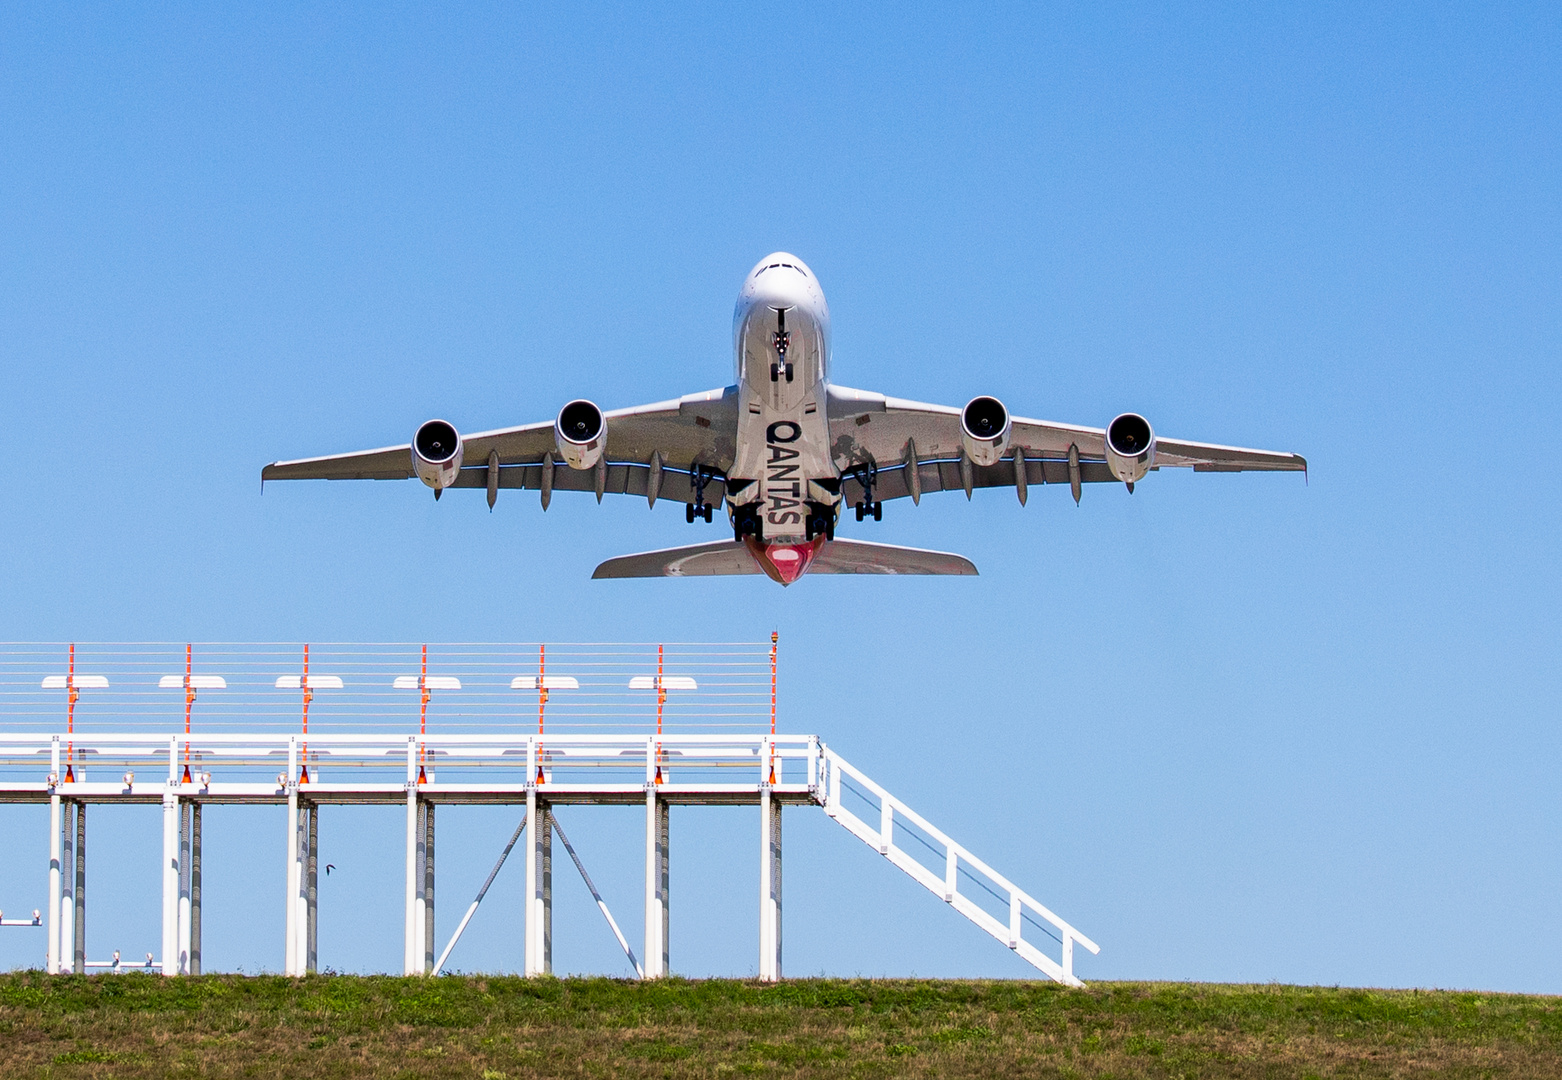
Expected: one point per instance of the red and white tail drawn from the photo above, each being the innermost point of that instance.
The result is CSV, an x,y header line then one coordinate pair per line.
x,y
834,557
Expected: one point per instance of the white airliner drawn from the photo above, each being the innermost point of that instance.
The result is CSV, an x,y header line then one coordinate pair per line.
x,y
785,449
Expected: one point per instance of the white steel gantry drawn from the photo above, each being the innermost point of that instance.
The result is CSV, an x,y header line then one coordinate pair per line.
x,y
535,771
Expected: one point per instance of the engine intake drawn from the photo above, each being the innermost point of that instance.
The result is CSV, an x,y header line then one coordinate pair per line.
x,y
581,432
436,454
1130,447
984,430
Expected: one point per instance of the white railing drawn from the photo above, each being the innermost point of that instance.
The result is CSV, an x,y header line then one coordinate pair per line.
x,y
253,765
955,858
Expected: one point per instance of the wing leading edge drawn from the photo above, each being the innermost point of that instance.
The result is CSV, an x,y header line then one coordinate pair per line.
x,y
691,432
909,448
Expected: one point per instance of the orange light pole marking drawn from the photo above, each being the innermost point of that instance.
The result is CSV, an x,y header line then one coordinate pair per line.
x,y
189,700
70,714
661,699
774,637
309,695
542,701
423,714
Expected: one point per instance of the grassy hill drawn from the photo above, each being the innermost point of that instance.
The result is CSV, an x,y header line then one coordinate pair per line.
x,y
331,1026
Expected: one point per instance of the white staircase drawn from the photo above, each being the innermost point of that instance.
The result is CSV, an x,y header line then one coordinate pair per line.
x,y
840,779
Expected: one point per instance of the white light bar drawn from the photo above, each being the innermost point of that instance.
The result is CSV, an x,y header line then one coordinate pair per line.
x,y
197,682
549,682
316,682
431,682
80,682
667,682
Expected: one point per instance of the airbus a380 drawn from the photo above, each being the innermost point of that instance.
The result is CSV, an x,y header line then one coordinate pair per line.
x,y
785,450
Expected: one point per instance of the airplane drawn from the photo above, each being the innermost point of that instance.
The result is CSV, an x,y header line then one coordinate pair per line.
x,y
786,450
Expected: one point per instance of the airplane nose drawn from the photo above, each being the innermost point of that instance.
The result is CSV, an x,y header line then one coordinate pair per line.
x,y
779,287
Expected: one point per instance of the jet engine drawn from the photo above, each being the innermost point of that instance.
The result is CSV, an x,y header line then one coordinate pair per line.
x,y
1130,447
581,432
984,430
436,454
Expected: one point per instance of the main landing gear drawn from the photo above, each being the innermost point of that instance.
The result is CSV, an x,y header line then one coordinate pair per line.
x,y
868,476
699,508
781,340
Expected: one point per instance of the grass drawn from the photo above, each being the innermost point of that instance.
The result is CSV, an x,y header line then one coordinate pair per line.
x,y
506,1028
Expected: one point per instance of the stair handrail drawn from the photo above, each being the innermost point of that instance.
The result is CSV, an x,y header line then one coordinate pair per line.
x,y
835,768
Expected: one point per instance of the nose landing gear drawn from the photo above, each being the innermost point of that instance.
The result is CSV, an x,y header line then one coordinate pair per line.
x,y
781,340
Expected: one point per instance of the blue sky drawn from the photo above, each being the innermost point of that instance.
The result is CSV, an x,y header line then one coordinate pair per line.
x,y
1233,727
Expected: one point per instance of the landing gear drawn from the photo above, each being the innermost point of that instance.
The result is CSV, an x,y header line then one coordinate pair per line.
x,y
747,521
868,476
781,340
699,476
820,521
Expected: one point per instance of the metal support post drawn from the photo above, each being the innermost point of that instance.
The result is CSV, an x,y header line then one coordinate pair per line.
x,y
185,807
67,884
428,889
665,851
769,886
657,881
52,959
170,883
410,965
420,900
312,892
79,924
301,897
543,898
539,886
291,928
195,888
529,962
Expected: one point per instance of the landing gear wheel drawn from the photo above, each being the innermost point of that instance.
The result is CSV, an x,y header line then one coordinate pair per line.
x,y
878,511
688,513
819,521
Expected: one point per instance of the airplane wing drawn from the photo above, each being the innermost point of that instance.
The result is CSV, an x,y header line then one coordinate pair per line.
x,y
915,448
695,430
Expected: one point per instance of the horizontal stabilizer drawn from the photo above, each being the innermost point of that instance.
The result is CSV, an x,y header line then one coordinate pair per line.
x,y
699,560
862,557
835,557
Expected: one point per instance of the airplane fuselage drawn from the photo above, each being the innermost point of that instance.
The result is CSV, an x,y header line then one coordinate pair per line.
x,y
783,489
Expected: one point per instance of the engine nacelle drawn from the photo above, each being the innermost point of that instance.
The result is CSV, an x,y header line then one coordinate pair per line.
x,y
1130,447
984,430
581,432
436,454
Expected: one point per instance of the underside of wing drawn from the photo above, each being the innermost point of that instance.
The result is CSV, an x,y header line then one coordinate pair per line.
x,y
721,559
691,436
863,557
909,448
